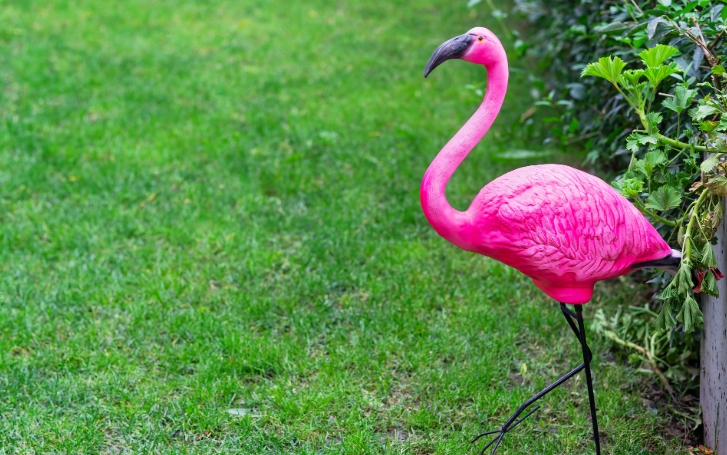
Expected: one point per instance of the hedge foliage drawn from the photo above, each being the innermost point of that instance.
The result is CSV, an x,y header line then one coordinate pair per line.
x,y
566,35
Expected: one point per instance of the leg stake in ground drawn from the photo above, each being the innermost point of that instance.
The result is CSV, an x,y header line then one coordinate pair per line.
x,y
513,421
589,380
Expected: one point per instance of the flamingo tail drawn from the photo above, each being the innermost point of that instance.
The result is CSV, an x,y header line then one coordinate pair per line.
x,y
671,264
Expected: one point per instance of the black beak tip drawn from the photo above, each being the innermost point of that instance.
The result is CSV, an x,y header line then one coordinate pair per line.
x,y
453,48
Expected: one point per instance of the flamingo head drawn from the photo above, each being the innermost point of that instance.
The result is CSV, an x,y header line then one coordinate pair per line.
x,y
478,45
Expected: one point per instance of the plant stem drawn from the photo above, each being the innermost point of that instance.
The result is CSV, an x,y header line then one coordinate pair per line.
x,y
628,100
642,208
676,156
679,128
666,140
681,145
612,336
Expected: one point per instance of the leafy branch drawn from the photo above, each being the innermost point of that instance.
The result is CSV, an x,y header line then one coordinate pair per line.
x,y
678,179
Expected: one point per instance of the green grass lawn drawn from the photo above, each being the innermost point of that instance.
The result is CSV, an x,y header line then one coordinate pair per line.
x,y
211,241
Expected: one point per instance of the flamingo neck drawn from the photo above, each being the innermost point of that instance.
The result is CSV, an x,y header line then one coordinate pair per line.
x,y
450,223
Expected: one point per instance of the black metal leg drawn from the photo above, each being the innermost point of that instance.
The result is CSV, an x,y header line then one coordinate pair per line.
x,y
513,421
589,380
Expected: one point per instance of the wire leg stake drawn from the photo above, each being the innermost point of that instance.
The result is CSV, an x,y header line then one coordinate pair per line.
x,y
589,379
513,421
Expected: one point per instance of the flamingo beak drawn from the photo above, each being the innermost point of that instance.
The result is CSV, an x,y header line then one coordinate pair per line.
x,y
454,48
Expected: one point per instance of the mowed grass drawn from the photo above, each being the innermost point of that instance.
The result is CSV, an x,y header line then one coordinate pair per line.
x,y
211,241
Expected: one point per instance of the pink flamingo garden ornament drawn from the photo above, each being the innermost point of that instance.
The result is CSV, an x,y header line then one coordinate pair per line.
x,y
563,228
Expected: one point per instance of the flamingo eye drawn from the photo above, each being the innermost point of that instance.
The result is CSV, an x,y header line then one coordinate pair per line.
x,y
480,38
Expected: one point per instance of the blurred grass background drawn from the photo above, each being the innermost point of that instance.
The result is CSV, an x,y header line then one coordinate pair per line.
x,y
211,240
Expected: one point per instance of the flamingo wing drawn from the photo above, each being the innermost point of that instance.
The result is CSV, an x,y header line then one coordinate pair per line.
x,y
564,227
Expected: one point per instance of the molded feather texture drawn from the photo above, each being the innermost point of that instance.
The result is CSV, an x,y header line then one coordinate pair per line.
x,y
564,228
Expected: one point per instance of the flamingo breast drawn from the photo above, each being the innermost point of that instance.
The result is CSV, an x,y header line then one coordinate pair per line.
x,y
564,228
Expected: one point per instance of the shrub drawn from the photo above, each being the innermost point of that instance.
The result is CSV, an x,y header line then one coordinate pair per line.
x,y
567,35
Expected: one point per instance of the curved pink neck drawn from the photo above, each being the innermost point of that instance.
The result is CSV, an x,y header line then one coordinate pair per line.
x,y
452,224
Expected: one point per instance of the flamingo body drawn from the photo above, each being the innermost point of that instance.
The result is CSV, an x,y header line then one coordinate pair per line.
x,y
563,228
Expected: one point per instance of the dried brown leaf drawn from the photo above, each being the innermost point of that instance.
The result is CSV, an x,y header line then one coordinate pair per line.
x,y
718,185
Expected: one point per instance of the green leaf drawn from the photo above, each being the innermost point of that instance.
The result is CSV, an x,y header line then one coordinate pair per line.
x,y
643,140
665,320
682,98
699,113
685,316
697,315
653,159
717,184
612,27
708,126
683,279
709,164
690,315
573,127
694,254
718,70
632,143
607,68
653,24
708,258
663,199
629,187
653,119
636,139
657,74
709,284
657,55
630,78
722,123
668,292
670,103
